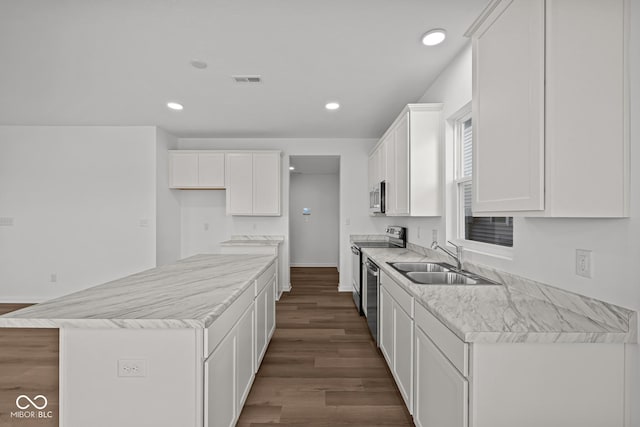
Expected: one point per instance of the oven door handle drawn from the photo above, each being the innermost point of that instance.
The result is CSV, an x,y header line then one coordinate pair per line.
x,y
372,268
355,250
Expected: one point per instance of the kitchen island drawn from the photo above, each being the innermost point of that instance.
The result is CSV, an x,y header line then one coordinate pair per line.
x,y
174,345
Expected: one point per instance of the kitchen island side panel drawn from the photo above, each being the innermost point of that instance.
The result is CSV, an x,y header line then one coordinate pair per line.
x,y
96,391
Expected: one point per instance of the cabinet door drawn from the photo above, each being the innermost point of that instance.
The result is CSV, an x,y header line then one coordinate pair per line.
x,y
183,170
244,356
372,172
441,393
211,170
508,109
401,166
385,324
388,150
403,353
220,385
271,310
239,183
261,326
266,183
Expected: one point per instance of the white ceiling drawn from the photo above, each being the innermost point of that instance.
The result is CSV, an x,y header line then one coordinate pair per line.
x,y
315,164
117,62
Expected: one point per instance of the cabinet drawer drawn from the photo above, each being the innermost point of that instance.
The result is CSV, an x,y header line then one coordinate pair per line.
x,y
264,279
404,300
214,334
454,349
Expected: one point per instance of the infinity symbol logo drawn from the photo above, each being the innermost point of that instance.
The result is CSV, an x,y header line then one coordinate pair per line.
x,y
30,402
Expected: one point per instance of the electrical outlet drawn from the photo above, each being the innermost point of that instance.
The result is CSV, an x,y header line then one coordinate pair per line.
x,y
132,368
144,222
206,226
583,263
53,278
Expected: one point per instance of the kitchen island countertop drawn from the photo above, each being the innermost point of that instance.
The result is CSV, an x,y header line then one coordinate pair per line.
x,y
190,293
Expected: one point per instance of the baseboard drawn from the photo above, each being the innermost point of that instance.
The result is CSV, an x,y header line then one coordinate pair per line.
x,y
307,264
28,300
345,289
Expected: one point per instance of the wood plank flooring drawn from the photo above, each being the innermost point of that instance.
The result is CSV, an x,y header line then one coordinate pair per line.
x,y
29,366
322,367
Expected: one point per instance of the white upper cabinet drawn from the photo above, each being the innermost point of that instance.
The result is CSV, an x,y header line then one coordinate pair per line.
x,y
239,184
266,183
411,162
253,183
193,169
549,109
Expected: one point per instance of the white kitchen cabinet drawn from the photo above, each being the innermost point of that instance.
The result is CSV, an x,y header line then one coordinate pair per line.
x,y
385,325
396,335
441,392
265,319
411,162
253,183
245,355
550,108
220,385
266,183
196,169
231,350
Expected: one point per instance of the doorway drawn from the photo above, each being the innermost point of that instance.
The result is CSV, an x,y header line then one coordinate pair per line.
x,y
314,211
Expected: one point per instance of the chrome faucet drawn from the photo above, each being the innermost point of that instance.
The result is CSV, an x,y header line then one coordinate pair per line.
x,y
457,256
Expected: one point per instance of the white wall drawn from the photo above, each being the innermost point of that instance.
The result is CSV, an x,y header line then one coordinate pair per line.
x,y
167,203
353,198
77,196
314,238
544,248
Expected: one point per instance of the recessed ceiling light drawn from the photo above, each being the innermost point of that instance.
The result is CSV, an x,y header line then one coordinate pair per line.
x,y
332,106
292,168
434,37
200,65
174,106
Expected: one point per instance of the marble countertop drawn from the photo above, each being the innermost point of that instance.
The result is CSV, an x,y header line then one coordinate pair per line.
x,y
249,240
191,293
517,311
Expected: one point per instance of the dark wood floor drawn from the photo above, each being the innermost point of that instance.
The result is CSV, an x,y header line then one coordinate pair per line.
x,y
322,367
29,366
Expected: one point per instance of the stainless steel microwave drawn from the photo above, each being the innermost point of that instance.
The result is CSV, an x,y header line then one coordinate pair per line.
x,y
377,198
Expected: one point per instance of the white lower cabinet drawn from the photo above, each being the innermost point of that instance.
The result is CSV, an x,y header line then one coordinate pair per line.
x,y
220,385
235,344
441,392
447,382
396,335
229,373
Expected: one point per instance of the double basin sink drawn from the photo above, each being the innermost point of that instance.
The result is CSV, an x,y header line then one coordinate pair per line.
x,y
437,273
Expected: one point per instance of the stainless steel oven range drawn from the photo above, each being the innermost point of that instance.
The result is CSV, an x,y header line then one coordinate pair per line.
x,y
395,237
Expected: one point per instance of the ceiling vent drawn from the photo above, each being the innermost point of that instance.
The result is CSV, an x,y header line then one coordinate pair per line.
x,y
247,79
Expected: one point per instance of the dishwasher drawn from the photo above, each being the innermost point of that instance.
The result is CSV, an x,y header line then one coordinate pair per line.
x,y
372,287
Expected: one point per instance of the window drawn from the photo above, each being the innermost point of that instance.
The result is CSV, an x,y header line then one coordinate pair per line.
x,y
492,230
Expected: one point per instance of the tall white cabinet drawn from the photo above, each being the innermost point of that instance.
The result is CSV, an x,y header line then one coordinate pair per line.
x,y
550,109
408,159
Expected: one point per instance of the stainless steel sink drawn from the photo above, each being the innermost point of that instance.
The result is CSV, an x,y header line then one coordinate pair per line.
x,y
429,273
406,267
